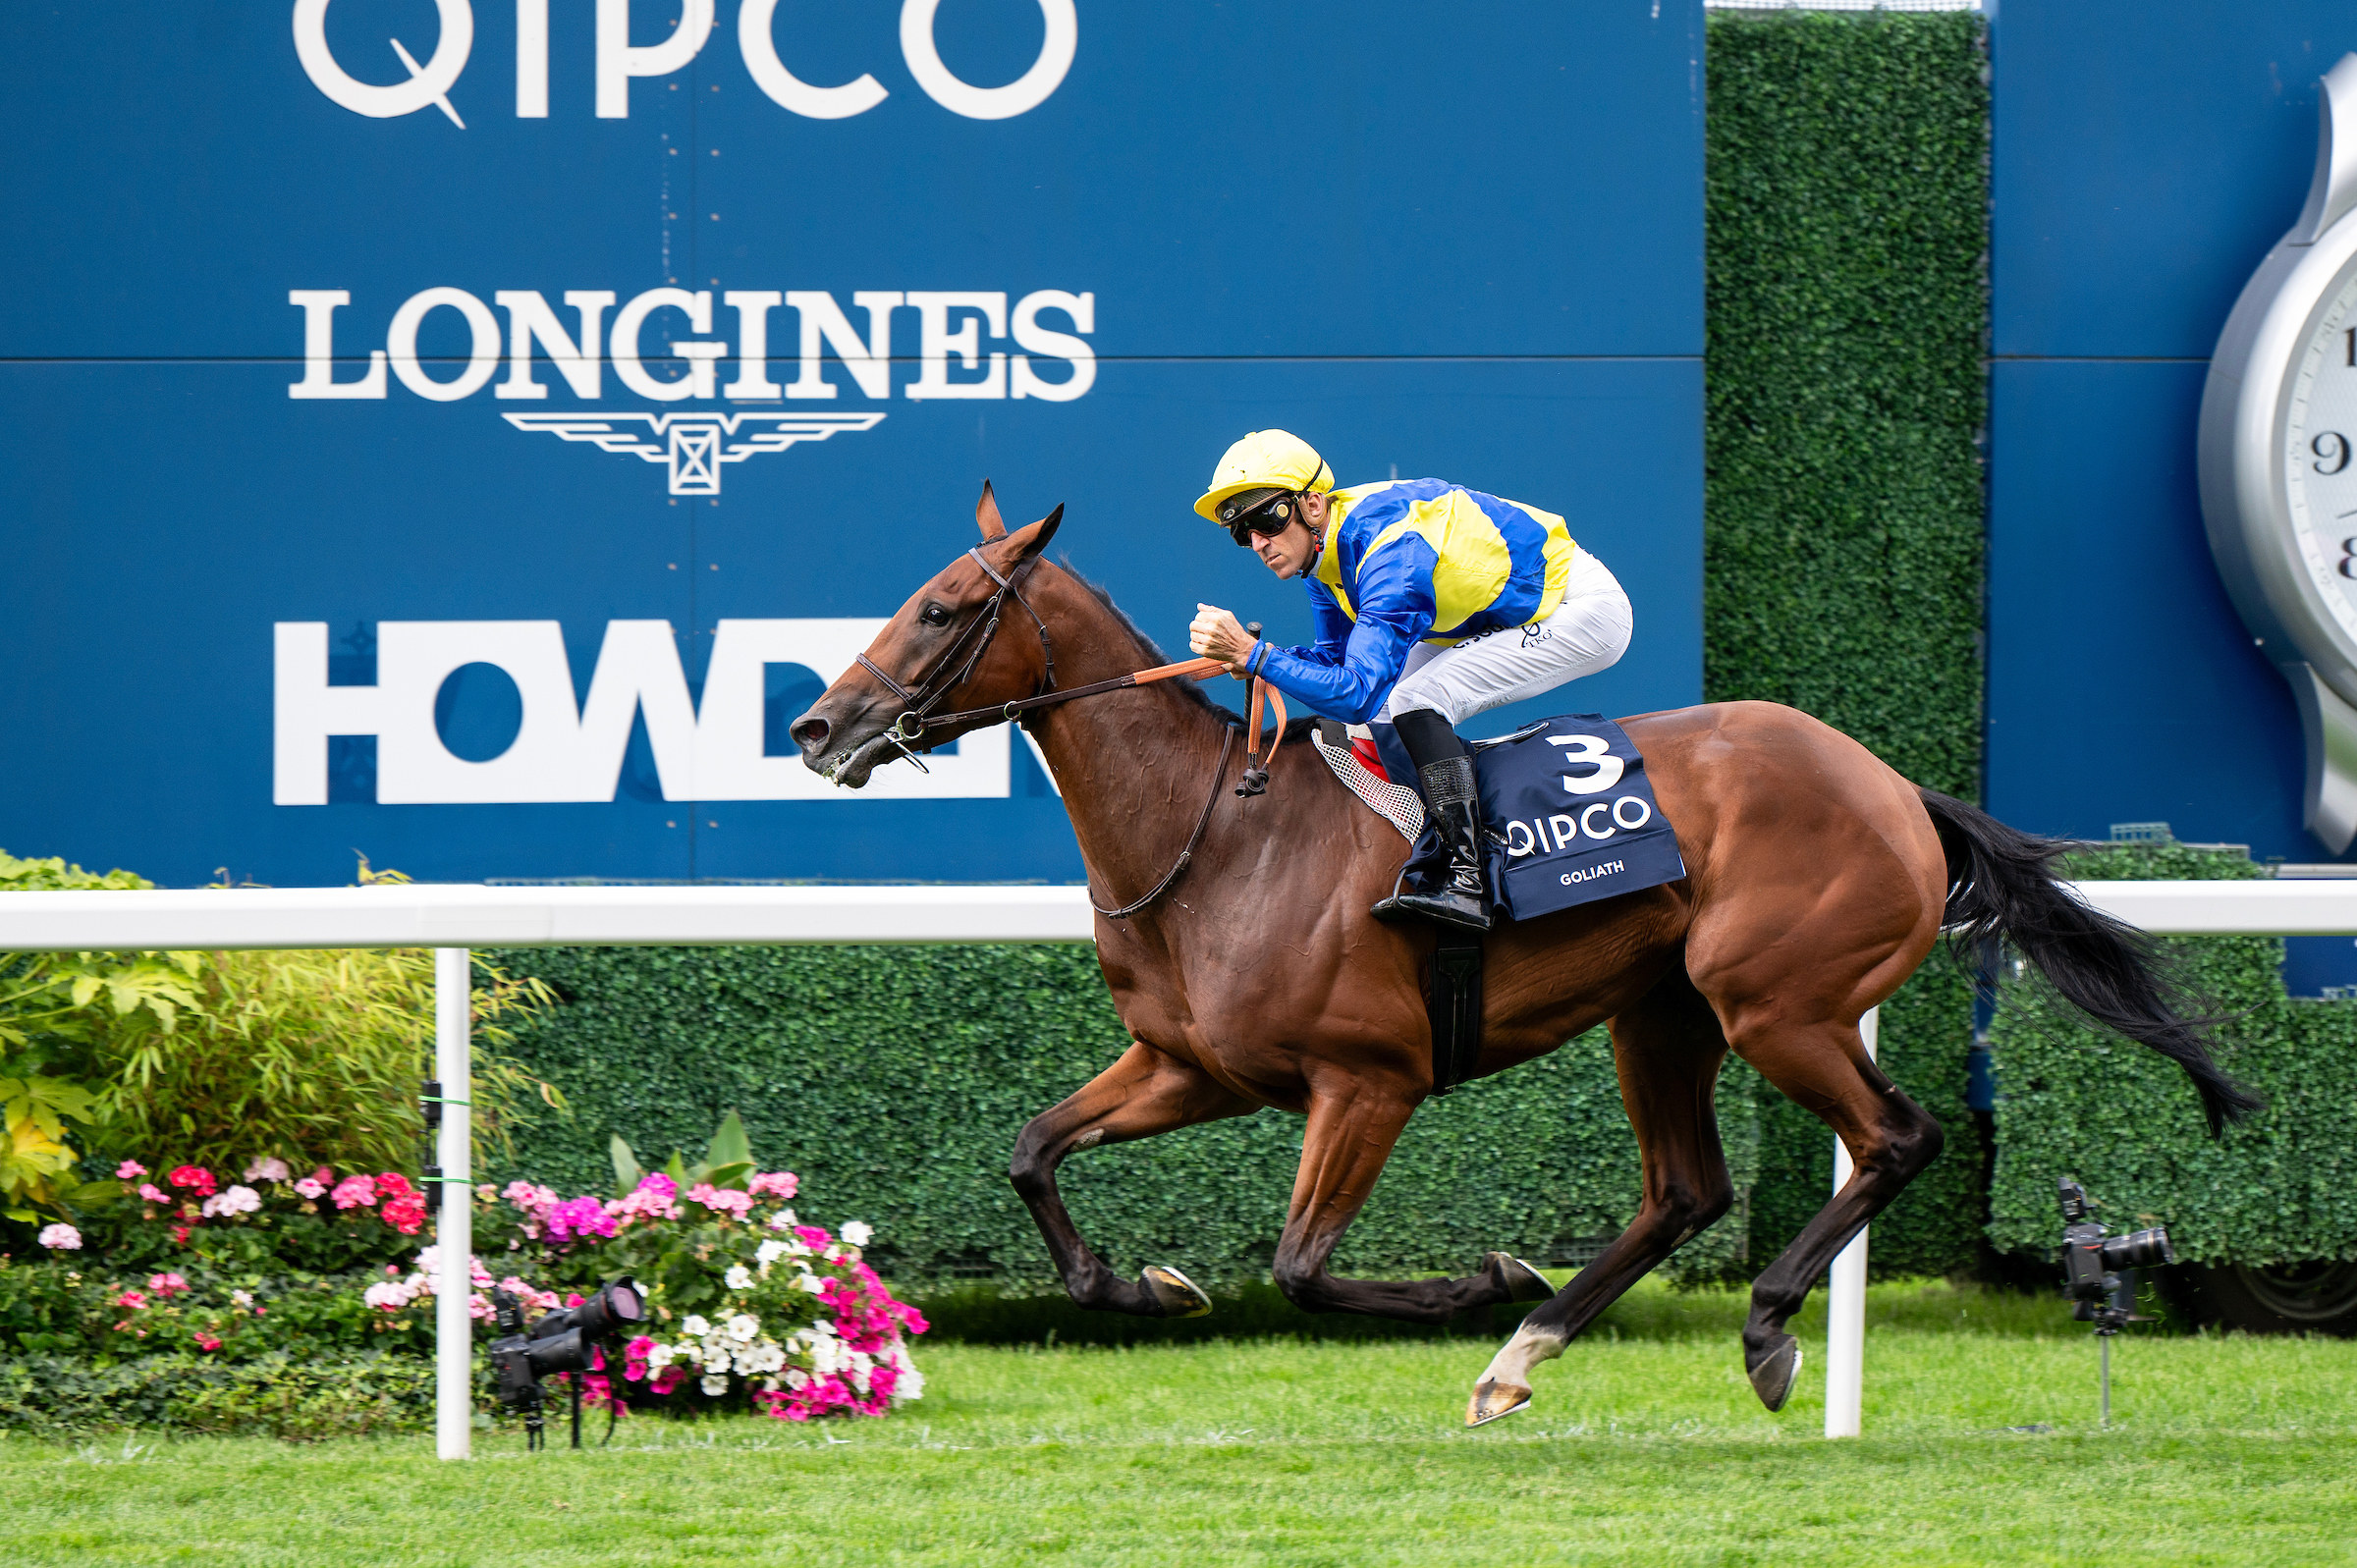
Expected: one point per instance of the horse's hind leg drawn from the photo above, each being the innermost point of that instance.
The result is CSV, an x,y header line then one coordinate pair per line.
x,y
1143,1093
1666,1050
1825,1068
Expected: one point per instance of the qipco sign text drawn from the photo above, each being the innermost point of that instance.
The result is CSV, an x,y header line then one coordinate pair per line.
x,y
432,79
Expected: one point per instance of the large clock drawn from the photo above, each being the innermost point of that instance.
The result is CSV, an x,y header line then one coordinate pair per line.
x,y
2279,462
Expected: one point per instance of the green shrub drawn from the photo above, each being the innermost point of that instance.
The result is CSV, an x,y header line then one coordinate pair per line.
x,y
221,1059
280,1395
2280,1187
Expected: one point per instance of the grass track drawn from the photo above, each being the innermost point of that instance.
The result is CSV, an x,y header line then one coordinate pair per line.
x,y
1644,1445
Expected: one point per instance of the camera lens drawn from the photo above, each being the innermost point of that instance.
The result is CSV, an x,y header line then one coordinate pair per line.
x,y
565,1352
605,1314
2143,1249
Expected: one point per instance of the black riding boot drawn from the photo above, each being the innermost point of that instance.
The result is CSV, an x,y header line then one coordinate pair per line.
x,y
1445,769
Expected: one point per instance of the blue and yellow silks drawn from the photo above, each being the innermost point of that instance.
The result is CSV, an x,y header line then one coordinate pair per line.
x,y
1411,560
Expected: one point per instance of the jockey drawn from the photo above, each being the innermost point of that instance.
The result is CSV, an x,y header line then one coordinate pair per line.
x,y
1432,602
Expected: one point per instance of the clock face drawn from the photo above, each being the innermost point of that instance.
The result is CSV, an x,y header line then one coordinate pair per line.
x,y
2320,455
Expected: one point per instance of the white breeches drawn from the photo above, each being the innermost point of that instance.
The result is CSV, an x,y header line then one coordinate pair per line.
x,y
1587,632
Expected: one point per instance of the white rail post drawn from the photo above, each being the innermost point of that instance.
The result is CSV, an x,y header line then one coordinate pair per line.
x,y
1845,1300
454,1327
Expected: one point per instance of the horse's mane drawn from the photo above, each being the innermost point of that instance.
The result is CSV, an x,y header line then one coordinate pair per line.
x,y
1151,653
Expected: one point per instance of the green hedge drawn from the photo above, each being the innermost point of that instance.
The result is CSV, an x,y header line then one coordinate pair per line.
x,y
894,1080
2279,1187
1846,314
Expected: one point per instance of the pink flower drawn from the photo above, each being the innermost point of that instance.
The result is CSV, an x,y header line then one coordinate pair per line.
x,y
59,1238
310,1187
720,1200
634,1356
579,1216
132,1299
670,1378
356,1192
180,1233
206,1341
779,1183
269,1168
167,1285
130,1168
810,1236
392,1184
406,1214
323,1175
656,1182
196,1177
153,1193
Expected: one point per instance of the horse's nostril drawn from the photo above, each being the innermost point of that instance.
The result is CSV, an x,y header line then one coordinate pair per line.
x,y
811,732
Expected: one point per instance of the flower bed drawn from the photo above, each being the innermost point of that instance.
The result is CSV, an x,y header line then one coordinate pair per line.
x,y
750,1306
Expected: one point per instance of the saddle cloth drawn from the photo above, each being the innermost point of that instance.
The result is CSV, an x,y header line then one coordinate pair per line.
x,y
1571,814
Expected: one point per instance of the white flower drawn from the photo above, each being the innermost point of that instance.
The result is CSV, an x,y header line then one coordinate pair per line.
x,y
739,1277
716,1386
59,1238
826,1356
272,1169
833,1254
234,1201
716,1357
743,1326
861,1365
770,1251
243,1298
807,1282
797,1379
696,1327
858,1232
822,1329
660,1357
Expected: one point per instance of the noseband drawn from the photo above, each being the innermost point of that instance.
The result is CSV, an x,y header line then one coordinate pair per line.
x,y
956,666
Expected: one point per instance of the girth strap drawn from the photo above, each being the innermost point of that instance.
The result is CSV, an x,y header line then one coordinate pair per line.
x,y
1452,1003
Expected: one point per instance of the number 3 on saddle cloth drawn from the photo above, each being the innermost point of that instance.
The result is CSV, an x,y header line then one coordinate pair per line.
x,y
1569,812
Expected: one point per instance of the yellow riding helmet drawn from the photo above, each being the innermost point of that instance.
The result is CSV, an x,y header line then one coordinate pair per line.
x,y
1265,460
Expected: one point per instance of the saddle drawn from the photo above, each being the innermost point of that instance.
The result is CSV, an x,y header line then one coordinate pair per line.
x,y
1572,820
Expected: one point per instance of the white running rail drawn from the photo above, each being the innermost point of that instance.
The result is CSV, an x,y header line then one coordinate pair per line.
x,y
455,917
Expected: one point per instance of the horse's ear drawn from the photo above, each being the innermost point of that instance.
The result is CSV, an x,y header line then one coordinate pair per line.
x,y
1036,537
986,516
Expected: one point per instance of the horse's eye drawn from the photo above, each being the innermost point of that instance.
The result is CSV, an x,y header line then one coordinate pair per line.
x,y
934,616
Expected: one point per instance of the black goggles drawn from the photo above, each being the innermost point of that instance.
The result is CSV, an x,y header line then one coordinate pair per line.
x,y
1265,512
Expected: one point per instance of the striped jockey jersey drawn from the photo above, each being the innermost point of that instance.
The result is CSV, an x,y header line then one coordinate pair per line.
x,y
1410,561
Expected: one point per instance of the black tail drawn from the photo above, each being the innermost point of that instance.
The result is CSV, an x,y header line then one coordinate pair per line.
x,y
2001,883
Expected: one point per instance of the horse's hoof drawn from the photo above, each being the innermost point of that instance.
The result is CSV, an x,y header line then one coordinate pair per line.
x,y
1774,1371
1522,1280
1492,1399
1177,1295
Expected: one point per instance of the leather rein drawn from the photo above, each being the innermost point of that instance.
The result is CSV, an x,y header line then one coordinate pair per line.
x,y
956,666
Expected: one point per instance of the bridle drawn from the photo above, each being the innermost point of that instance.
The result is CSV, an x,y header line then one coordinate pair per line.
x,y
958,664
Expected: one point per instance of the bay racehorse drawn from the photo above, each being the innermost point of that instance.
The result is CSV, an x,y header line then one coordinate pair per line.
x,y
1234,933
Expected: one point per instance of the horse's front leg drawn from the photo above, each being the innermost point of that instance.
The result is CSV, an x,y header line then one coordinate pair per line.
x,y
1144,1092
1354,1122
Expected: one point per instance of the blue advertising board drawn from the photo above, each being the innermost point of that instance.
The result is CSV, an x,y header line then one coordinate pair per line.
x,y
2146,158
466,432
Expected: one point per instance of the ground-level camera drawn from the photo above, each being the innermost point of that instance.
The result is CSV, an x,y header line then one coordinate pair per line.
x,y
560,1343
2092,1266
